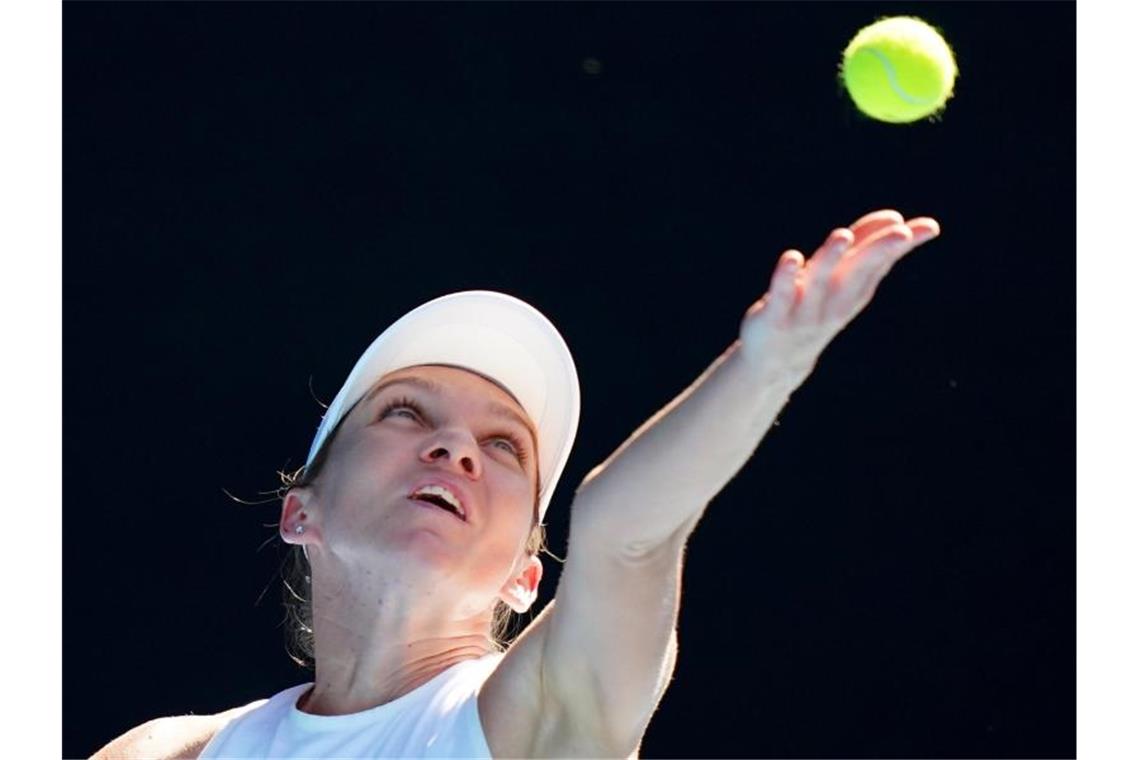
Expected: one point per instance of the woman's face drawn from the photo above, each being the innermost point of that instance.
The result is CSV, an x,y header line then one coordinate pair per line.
x,y
431,423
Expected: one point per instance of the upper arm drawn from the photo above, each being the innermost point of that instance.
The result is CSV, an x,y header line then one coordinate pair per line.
x,y
182,736
161,739
611,639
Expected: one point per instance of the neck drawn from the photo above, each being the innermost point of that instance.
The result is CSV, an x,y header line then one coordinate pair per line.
x,y
370,655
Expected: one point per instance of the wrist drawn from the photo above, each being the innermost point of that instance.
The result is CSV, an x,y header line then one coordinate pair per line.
x,y
767,370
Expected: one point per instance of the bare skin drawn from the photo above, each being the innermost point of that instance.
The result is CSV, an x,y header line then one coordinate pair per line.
x,y
403,592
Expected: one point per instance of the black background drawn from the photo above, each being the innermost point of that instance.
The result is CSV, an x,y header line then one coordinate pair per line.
x,y
252,192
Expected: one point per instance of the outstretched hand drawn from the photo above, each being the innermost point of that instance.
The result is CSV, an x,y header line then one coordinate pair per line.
x,y
808,303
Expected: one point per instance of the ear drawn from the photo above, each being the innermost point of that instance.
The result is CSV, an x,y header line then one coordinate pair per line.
x,y
296,512
521,590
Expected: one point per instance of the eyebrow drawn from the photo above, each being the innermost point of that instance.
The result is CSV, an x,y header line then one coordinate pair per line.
x,y
494,407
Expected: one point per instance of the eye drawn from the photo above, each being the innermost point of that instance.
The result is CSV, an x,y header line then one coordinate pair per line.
x,y
518,450
516,447
405,404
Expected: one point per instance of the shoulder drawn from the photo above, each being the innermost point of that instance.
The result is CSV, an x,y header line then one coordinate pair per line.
x,y
179,736
521,717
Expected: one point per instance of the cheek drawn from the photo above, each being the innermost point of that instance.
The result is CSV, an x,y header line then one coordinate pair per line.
x,y
518,501
512,524
355,483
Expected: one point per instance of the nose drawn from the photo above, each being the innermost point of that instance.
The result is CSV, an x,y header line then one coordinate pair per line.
x,y
455,448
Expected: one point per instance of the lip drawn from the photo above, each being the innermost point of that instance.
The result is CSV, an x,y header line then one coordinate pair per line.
x,y
461,493
433,507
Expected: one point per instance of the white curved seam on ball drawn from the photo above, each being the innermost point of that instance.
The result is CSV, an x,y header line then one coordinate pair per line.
x,y
892,78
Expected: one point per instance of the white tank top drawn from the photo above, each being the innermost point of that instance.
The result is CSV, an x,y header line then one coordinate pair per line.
x,y
439,718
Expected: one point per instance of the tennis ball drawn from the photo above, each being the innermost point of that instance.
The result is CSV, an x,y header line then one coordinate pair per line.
x,y
899,70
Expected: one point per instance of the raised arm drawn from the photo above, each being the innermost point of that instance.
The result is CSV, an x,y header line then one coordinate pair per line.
x,y
610,642
679,459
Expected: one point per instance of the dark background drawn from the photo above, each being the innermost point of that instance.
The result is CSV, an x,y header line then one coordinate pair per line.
x,y
252,192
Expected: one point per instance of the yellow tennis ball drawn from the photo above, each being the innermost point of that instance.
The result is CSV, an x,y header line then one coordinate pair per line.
x,y
899,70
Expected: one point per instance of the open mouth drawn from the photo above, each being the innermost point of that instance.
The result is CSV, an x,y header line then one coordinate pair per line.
x,y
440,502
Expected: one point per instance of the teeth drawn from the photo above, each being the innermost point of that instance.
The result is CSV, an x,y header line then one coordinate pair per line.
x,y
445,494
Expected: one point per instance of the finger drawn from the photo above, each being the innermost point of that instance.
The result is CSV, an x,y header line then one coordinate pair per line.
x,y
882,242
783,288
911,234
864,291
860,271
866,277
819,269
925,229
869,224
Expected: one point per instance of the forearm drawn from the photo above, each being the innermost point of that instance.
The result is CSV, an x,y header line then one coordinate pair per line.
x,y
660,480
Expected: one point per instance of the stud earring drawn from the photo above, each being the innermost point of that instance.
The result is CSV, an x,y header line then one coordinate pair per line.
x,y
299,529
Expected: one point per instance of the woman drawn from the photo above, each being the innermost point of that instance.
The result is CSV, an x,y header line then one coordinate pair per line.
x,y
420,510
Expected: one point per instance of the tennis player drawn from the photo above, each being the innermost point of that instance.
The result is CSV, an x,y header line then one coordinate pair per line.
x,y
418,519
